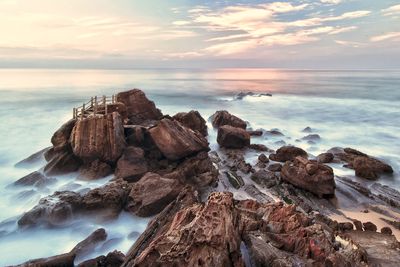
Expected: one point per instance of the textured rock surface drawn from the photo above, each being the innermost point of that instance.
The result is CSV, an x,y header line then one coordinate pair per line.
x,y
192,120
62,162
232,137
325,158
223,117
99,138
310,175
176,141
94,170
286,153
132,165
36,179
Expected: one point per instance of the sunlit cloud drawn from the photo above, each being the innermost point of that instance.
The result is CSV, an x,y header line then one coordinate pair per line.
x,y
391,11
349,43
331,2
386,36
343,29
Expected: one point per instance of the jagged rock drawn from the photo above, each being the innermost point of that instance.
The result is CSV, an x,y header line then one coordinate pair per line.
x,y
253,191
61,138
231,137
36,179
32,159
112,259
94,170
387,194
118,107
312,176
223,117
192,120
139,107
151,194
176,141
287,153
132,165
325,158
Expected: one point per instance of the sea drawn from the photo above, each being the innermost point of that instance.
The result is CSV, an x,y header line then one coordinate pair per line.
x,y
346,108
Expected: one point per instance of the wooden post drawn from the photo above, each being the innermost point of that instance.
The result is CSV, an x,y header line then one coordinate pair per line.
x,y
83,110
104,103
73,113
91,102
113,99
95,105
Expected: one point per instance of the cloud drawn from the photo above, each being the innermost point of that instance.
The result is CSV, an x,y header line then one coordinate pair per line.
x,y
319,20
231,48
180,22
386,36
343,29
391,11
349,43
331,2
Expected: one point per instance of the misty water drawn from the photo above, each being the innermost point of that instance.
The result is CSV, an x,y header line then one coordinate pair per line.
x,y
359,109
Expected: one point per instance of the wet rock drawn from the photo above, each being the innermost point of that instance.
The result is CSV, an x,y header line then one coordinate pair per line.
x,y
65,260
62,163
132,165
214,157
61,138
358,225
223,117
94,170
390,195
275,167
139,108
192,120
263,158
386,231
253,191
135,135
231,137
176,141
151,194
312,176
255,133
32,159
287,153
325,158
345,226
312,137
395,224
100,137
86,246
307,130
235,180
274,133
36,179
265,178
369,226
112,259
259,147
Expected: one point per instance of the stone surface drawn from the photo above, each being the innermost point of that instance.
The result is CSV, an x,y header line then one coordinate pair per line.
x,y
312,137
369,226
139,108
61,138
263,158
100,137
176,141
287,153
32,159
36,179
275,167
112,259
325,158
132,165
223,117
94,170
232,137
310,175
151,194
192,120
62,163
265,178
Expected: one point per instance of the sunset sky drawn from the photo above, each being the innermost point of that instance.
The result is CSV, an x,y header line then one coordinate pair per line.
x,y
179,33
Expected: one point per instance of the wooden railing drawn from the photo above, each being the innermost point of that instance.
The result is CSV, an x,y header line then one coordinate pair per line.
x,y
96,105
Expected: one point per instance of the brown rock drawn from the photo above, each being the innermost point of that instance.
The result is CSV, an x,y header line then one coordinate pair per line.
x,y
65,260
139,107
62,163
192,120
112,259
369,226
231,137
87,245
36,179
275,167
136,135
259,147
94,170
263,158
118,107
61,137
370,168
32,159
223,117
255,133
325,158
265,178
151,194
358,225
287,153
312,176
176,141
386,230
100,137
132,165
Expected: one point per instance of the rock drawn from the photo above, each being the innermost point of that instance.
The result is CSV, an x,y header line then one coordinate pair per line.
x,y
61,138
265,178
223,117
94,170
263,158
151,194
345,226
100,137
62,163
235,180
231,137
255,133
132,165
325,158
369,226
32,159
358,225
312,176
86,246
274,133
36,179
312,137
388,194
139,107
259,147
117,107
113,259
287,153
307,130
64,260
253,191
370,168
386,230
136,135
275,167
176,141
192,120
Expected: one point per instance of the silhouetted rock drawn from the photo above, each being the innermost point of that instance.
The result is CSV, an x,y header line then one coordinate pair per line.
x,y
386,230
232,137
223,117
192,120
287,153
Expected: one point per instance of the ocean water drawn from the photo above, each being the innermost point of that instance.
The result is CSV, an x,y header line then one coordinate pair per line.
x,y
359,109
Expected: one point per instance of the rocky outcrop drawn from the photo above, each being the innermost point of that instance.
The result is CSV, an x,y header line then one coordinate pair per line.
x,y
132,165
94,170
287,153
151,194
99,137
176,141
192,120
112,259
138,107
310,175
62,163
223,117
232,137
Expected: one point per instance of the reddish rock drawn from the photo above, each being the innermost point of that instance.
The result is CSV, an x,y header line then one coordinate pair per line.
x,y
231,137
36,179
263,158
118,107
312,176
62,163
369,226
275,167
61,138
192,120
94,170
386,231
139,107
223,117
176,141
259,147
255,133
370,168
112,259
325,158
136,135
100,137
358,225
287,153
132,165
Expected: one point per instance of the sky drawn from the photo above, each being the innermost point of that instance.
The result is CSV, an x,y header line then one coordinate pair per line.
x,y
327,34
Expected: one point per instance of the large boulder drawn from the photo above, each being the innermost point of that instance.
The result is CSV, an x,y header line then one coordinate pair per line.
x,y
176,141
233,137
192,120
151,194
132,165
62,162
99,137
138,107
223,117
61,137
287,153
310,175
94,170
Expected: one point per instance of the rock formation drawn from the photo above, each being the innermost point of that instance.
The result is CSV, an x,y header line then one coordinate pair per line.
x,y
223,117
192,120
286,153
233,137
